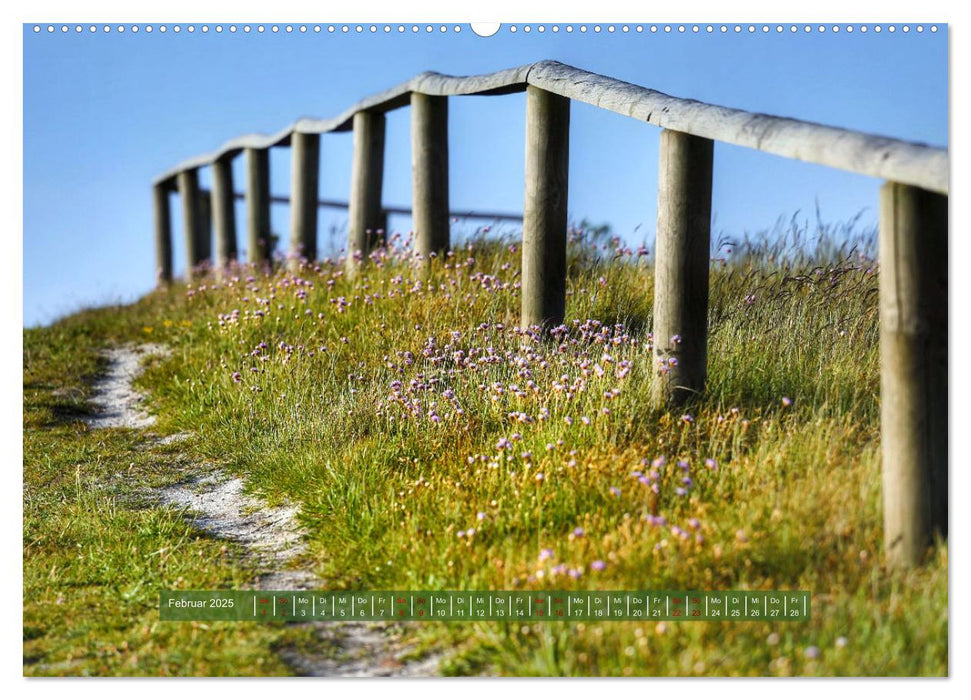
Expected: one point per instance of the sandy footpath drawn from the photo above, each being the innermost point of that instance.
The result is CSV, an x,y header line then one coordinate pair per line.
x,y
271,538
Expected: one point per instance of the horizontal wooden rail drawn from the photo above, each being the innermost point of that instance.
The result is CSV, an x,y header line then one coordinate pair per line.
x,y
909,163
913,236
405,211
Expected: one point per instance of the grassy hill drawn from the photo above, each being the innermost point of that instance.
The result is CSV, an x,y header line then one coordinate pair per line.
x,y
432,444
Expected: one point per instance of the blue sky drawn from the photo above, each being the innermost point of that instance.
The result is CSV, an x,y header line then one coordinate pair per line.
x,y
105,113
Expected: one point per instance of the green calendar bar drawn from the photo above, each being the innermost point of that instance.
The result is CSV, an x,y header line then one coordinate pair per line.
x,y
469,606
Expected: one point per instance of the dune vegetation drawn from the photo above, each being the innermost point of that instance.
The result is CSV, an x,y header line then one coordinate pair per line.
x,y
432,444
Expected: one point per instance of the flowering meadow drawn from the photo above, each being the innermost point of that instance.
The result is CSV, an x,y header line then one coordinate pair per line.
x,y
433,443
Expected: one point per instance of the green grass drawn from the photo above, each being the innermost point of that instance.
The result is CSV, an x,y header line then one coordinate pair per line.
x,y
387,475
95,553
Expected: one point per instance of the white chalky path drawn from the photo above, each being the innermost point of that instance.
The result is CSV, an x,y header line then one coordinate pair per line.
x,y
271,538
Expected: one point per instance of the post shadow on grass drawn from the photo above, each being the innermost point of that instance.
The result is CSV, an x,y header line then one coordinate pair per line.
x,y
62,410
65,408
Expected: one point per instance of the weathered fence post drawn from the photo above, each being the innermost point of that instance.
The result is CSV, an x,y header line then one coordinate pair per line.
x,y
258,234
681,267
224,212
365,216
196,249
429,170
913,370
544,210
163,234
305,173
204,242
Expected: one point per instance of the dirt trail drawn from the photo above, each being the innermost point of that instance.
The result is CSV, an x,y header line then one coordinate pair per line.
x,y
118,404
271,538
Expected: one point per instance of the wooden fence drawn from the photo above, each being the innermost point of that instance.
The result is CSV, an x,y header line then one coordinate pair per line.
x,y
913,236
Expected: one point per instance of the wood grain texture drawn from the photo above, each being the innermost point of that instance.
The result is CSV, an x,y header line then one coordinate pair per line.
x,y
545,208
224,213
305,175
866,154
366,220
501,82
258,232
892,159
913,370
204,231
681,268
191,219
163,235
429,173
